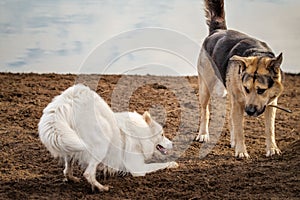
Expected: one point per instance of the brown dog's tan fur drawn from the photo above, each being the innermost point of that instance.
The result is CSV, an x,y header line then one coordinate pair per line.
x,y
248,69
257,74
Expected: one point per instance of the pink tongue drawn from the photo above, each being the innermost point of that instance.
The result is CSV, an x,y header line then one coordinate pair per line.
x,y
161,149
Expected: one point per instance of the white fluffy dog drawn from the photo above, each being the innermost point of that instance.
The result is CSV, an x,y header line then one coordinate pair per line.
x,y
78,125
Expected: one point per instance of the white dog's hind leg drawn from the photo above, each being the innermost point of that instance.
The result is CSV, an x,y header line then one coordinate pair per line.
x,y
90,175
68,171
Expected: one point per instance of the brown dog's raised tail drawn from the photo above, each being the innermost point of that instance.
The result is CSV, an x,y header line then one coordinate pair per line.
x,y
215,15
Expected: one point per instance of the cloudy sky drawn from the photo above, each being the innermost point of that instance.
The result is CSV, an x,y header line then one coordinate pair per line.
x,y
132,36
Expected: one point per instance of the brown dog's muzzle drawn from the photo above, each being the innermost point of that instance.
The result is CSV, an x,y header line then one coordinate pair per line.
x,y
252,110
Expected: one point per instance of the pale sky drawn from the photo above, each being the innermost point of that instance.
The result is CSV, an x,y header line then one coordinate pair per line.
x,y
65,36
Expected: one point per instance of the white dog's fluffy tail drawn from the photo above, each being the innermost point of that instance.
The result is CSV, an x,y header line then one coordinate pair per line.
x,y
56,133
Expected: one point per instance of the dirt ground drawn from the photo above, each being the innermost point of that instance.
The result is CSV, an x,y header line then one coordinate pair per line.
x,y
27,170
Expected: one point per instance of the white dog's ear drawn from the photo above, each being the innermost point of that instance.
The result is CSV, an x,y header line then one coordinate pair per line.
x,y
147,117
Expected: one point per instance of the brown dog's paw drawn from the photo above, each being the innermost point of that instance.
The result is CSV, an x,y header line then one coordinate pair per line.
x,y
273,151
202,137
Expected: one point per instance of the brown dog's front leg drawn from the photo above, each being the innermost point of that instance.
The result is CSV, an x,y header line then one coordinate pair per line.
x,y
271,147
237,132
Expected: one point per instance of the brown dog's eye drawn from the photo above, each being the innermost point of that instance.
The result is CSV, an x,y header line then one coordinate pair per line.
x,y
246,89
260,91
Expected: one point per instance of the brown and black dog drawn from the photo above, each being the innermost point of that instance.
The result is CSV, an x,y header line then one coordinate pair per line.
x,y
250,72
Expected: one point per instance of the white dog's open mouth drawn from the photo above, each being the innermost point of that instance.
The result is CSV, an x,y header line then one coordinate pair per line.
x,y
161,149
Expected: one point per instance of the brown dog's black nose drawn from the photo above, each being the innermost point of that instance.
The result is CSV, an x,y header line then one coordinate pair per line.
x,y
251,109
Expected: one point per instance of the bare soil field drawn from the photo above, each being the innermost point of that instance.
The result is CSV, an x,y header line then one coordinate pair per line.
x,y
27,170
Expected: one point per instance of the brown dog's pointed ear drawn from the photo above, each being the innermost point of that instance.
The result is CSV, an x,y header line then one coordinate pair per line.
x,y
279,58
241,61
147,117
275,64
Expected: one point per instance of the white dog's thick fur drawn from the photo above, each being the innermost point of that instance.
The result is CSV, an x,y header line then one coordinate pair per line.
x,y
78,125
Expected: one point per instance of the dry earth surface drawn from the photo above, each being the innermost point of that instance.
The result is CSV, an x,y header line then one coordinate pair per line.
x,y
27,170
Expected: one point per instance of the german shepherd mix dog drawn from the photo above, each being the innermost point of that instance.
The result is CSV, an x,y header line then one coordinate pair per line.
x,y
248,69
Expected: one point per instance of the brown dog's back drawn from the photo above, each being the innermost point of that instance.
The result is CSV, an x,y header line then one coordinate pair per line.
x,y
222,44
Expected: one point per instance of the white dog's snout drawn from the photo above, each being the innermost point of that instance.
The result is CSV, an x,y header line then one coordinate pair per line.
x,y
167,143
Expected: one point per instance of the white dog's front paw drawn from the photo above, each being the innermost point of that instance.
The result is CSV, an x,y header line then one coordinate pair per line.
x,y
202,137
273,151
138,174
173,165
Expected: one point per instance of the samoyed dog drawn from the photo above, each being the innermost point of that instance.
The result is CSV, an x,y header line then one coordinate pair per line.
x,y
78,125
